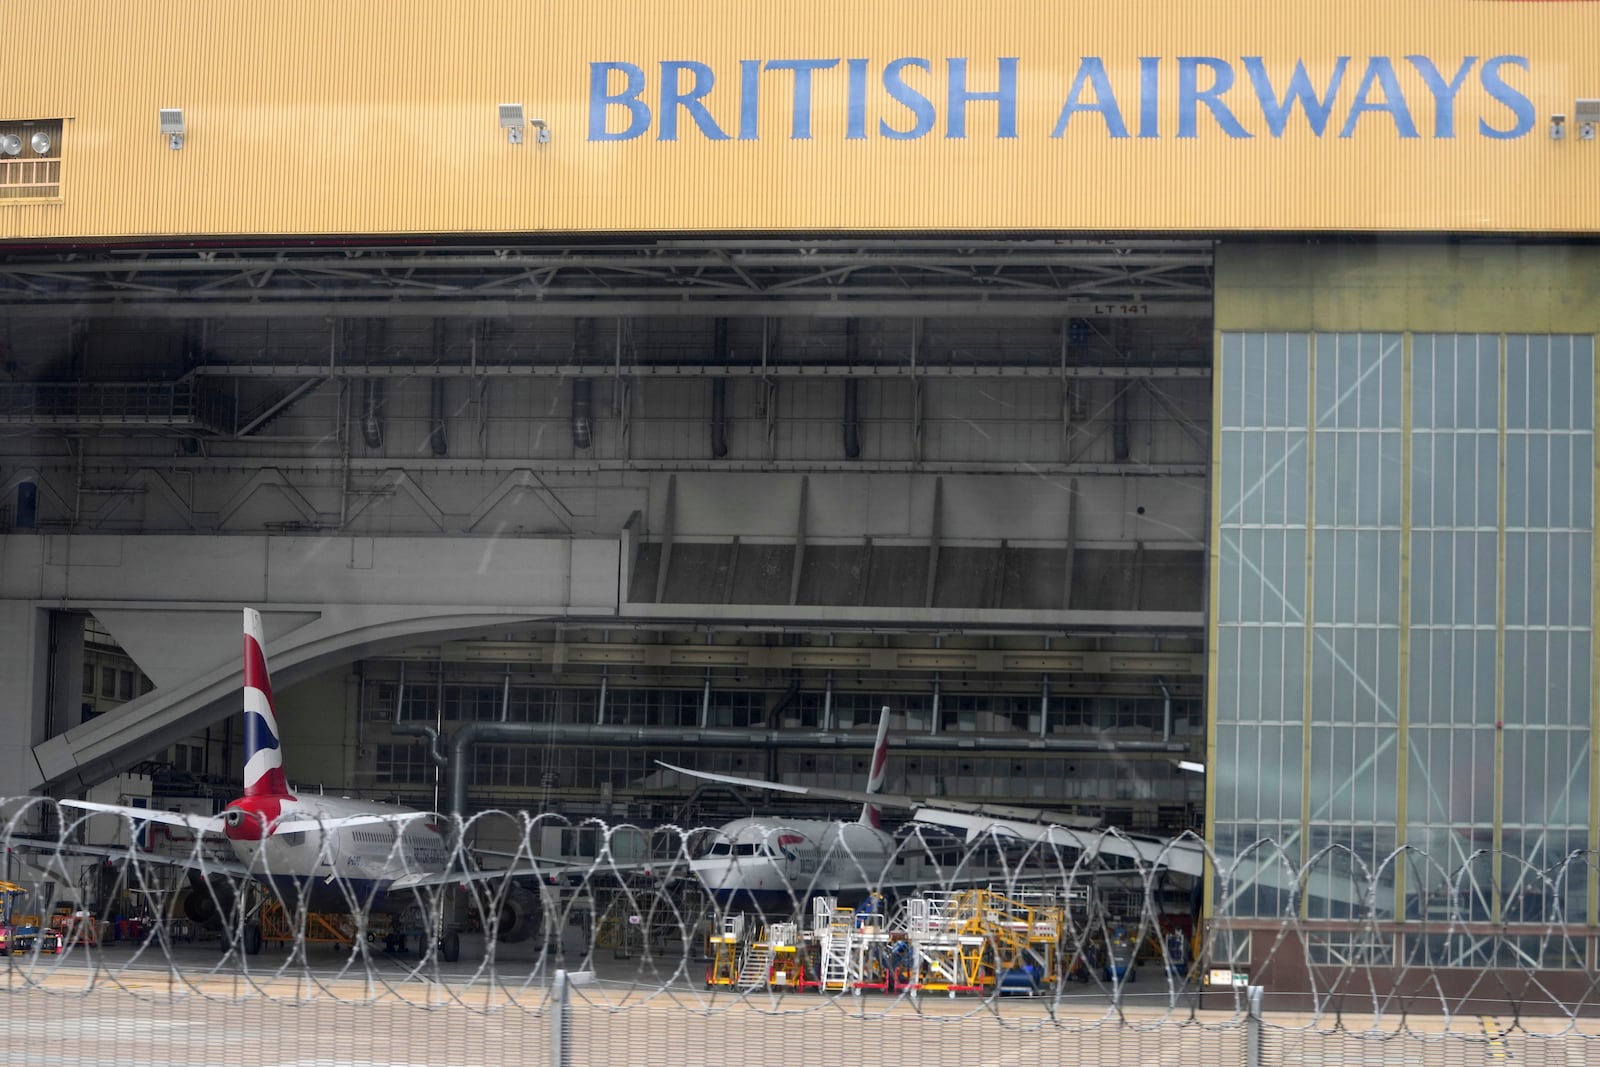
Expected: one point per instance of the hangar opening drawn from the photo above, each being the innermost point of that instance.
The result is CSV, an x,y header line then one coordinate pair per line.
x,y
964,477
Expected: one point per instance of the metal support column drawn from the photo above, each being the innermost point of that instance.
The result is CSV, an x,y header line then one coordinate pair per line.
x,y
560,1019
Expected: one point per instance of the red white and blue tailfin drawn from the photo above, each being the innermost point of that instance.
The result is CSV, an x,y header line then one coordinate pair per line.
x,y
263,753
871,815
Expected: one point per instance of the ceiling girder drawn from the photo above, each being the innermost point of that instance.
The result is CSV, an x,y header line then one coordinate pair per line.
x,y
732,277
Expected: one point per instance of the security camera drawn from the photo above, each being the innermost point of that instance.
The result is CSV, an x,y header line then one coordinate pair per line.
x,y
1558,127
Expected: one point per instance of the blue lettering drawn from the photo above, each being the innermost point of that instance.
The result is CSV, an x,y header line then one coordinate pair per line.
x,y
1092,72
855,114
958,96
1381,72
600,98
1189,94
1276,111
1444,93
920,106
800,124
673,98
1149,96
749,99
1518,104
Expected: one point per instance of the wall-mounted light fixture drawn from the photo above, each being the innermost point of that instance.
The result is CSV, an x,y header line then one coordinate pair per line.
x,y
1587,115
1558,127
172,127
10,144
513,122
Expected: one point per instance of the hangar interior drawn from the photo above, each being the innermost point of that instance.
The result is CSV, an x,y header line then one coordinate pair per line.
x,y
964,478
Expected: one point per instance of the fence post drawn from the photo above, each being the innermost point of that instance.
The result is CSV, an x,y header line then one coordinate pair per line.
x,y
1252,1026
560,1003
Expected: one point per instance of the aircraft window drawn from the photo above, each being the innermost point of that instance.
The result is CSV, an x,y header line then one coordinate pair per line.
x,y
748,849
721,848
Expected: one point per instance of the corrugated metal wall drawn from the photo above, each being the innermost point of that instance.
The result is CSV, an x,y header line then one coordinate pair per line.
x,y
379,116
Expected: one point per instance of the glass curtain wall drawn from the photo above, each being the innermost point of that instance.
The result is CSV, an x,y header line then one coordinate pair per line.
x,y
1437,700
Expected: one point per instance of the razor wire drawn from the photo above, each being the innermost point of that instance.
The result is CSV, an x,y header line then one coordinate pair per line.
x,y
1032,945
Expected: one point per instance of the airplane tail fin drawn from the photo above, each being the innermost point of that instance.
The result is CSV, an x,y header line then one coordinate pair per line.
x,y
263,755
871,815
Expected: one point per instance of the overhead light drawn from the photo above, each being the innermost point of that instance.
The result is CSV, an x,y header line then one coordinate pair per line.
x,y
1587,114
1190,765
41,143
10,144
172,126
512,122
513,119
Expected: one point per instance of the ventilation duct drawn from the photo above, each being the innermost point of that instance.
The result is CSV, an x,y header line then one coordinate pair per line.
x,y
582,413
852,419
372,413
852,392
1119,426
719,390
719,417
436,440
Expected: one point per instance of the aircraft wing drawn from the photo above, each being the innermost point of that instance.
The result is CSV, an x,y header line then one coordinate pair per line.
x,y
895,800
1179,856
545,868
200,824
207,864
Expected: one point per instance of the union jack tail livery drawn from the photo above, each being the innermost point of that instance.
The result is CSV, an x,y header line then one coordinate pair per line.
x,y
870,813
263,754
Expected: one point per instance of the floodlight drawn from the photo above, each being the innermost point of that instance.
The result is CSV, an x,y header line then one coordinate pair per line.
x,y
172,126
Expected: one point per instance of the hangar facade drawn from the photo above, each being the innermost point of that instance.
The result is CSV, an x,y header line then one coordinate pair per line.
x,y
1101,392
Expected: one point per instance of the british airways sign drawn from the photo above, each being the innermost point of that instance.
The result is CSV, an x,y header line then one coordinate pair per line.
x,y
1144,97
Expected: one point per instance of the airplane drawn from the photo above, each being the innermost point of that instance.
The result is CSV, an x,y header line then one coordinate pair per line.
x,y
776,865
325,853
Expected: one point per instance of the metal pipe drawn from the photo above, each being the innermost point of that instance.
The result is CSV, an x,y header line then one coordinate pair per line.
x,y
1044,706
505,697
827,698
705,702
1166,709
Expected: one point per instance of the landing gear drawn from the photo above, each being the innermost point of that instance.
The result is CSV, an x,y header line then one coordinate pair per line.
x,y
449,947
249,942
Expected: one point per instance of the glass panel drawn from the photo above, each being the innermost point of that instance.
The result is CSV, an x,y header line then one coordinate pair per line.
x,y
1516,382
1422,485
1230,365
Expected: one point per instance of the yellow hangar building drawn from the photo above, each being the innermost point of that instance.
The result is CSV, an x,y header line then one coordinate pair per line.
x,y
1104,386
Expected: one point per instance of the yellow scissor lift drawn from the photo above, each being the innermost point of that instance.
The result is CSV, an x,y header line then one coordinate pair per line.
x,y
977,940
723,948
